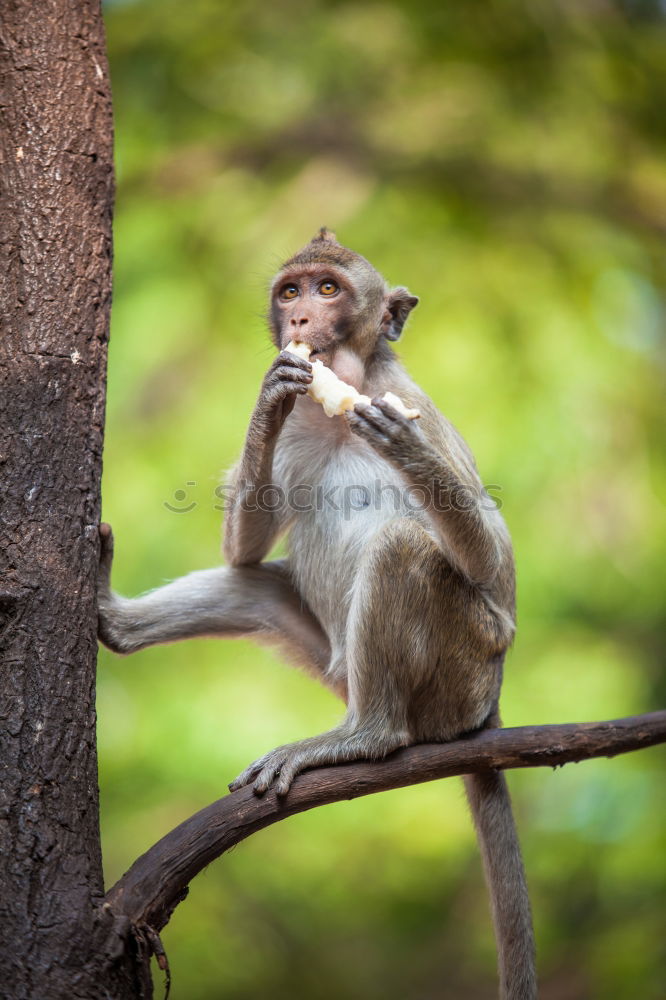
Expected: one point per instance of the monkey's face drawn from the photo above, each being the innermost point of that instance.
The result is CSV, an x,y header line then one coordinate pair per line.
x,y
333,299
318,304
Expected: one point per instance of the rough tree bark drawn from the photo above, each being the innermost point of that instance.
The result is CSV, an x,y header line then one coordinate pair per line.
x,y
55,262
60,938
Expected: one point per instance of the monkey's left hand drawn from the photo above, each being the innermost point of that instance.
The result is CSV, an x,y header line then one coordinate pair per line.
x,y
392,435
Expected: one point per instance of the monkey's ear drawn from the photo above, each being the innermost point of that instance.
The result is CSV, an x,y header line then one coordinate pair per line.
x,y
399,304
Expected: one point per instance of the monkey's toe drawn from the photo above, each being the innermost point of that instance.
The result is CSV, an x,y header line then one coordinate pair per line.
x,y
288,772
267,776
280,768
249,774
282,762
105,550
243,779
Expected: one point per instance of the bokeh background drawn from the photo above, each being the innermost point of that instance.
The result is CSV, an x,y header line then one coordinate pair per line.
x,y
506,162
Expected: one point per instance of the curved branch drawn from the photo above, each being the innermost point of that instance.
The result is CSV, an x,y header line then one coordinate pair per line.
x,y
158,880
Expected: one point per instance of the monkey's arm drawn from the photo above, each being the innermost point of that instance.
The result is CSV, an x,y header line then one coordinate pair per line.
x,y
250,527
470,531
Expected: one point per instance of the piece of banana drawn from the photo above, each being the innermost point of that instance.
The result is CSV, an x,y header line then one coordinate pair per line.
x,y
334,394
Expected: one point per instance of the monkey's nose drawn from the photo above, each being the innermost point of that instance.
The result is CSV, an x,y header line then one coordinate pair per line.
x,y
298,322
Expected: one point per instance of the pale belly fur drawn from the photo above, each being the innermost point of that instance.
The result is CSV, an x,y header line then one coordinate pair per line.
x,y
349,493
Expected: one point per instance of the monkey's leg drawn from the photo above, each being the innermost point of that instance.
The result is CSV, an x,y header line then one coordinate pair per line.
x,y
257,602
399,688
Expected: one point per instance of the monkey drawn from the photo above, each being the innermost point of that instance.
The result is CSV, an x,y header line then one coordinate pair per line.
x,y
404,610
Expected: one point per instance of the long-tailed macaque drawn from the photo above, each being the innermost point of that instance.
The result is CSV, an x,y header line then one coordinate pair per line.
x,y
402,601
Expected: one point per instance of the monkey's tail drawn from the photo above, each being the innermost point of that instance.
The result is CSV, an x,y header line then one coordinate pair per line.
x,y
505,877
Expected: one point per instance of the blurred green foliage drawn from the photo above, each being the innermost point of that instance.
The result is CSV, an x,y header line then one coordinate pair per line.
x,y
506,162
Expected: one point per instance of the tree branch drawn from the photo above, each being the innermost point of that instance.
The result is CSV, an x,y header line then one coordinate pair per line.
x,y
158,880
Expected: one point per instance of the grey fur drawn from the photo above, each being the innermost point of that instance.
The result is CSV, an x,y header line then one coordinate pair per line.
x,y
405,613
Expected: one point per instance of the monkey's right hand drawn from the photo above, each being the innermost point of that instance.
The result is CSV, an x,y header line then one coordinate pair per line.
x,y
287,377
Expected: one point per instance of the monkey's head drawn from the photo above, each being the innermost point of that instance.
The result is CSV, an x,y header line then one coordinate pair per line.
x,y
329,297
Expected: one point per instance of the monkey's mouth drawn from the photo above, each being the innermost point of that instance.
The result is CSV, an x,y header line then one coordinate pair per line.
x,y
324,354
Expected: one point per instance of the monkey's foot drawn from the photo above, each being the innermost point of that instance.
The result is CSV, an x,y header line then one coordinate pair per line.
x,y
112,629
105,629
336,747
105,554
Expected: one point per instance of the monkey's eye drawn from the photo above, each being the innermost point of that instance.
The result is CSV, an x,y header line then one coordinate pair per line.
x,y
328,288
288,292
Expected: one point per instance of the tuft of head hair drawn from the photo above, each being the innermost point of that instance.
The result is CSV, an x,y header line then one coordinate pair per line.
x,y
325,249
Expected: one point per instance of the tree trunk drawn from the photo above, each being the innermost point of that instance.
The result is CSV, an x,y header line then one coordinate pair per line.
x,y
55,242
